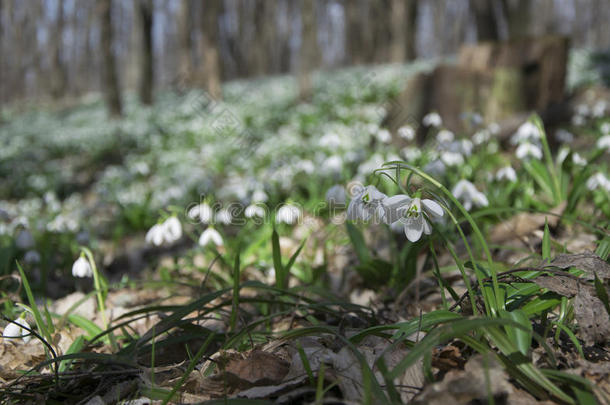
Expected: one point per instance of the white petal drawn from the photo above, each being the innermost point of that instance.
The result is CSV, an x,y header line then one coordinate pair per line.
x,y
433,207
427,228
414,228
394,207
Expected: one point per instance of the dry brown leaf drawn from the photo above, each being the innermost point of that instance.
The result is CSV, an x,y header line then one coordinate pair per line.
x,y
589,262
523,224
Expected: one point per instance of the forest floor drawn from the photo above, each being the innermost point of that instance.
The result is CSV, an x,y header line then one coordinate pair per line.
x,y
242,251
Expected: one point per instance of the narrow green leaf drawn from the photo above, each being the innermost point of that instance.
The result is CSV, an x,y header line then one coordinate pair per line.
x,y
602,294
357,240
277,259
75,347
235,301
546,241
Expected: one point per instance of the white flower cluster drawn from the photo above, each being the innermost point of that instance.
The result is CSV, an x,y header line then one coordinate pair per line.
x,y
528,138
166,232
412,214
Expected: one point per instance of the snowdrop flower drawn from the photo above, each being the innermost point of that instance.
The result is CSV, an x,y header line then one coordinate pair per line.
x,y
599,109
452,158
494,128
578,120
578,160
527,132
445,136
24,239
406,132
468,195
336,195
435,168
306,166
16,330
259,196
583,110
408,211
481,136
366,204
155,235
81,268
31,257
202,211
432,119
210,235
598,180
224,216
563,154
288,214
605,128
254,210
410,153
384,136
167,232
564,136
330,140
333,164
466,147
527,149
603,142
506,173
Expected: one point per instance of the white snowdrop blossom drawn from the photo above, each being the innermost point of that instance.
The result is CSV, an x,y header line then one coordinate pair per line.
x,y
445,136
384,136
605,128
583,109
410,153
598,180
408,211
333,164
223,216
603,142
466,146
330,140
167,232
527,132
254,211
288,214
564,136
16,330
81,268
24,239
406,132
432,119
452,158
203,212
366,204
32,257
494,128
578,120
578,160
468,195
305,166
527,150
259,196
599,109
506,173
435,168
481,136
210,235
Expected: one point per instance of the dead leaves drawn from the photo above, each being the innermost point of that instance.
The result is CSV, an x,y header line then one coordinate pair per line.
x,y
589,310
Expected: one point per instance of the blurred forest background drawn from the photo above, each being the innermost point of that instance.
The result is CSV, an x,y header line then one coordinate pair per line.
x,y
60,49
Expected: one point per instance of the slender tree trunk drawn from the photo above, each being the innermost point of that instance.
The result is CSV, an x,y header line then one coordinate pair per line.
x,y
398,31
411,29
144,10
487,27
185,61
517,13
354,31
307,55
110,81
210,49
58,72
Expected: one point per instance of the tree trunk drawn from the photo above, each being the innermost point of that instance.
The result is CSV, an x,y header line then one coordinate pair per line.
x,y
354,30
398,32
411,29
487,27
144,10
210,49
185,67
517,13
58,73
110,81
307,54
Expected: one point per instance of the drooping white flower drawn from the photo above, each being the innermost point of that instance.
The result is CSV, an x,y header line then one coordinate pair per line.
x,y
336,195
578,120
410,153
465,147
452,158
384,136
603,142
254,210
432,119
527,150
527,132
408,211
506,173
445,136
306,166
203,212
210,235
578,160
168,232
259,196
366,204
16,330
599,109
468,195
598,180
481,136
583,109
24,239
32,257
155,235
81,268
330,140
406,132
224,217
605,128
435,168
564,136
288,214
494,128
333,164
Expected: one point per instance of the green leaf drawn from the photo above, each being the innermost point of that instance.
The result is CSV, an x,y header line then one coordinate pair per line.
x,y
521,337
235,300
277,259
85,324
293,258
602,294
546,241
357,240
75,347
